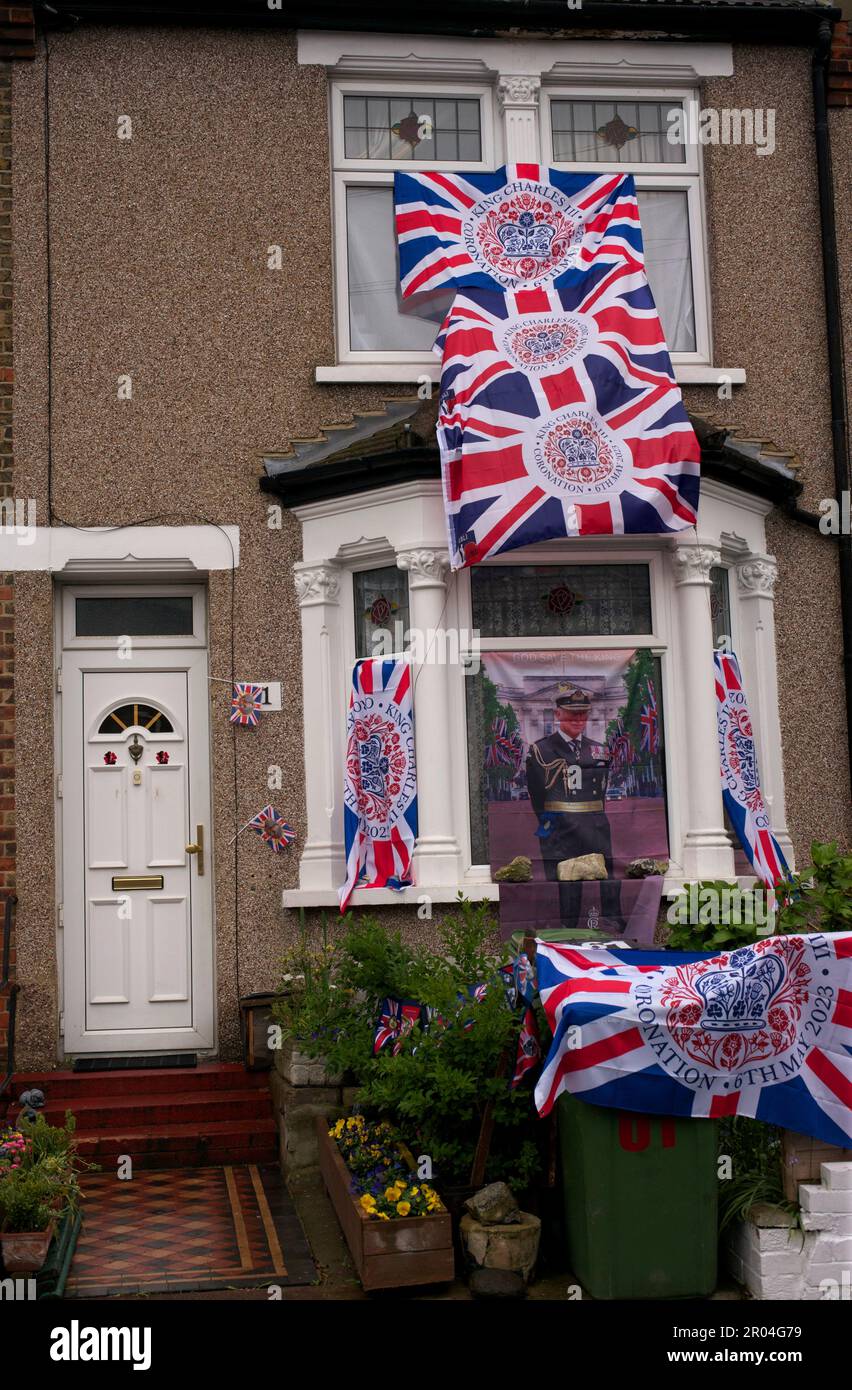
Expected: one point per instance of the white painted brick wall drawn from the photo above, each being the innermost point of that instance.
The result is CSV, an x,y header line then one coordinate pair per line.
x,y
776,1262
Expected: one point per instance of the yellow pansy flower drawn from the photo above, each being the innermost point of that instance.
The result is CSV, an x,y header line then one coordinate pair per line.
x,y
403,1208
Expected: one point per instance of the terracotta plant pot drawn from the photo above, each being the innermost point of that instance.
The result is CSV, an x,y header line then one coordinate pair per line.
x,y
24,1252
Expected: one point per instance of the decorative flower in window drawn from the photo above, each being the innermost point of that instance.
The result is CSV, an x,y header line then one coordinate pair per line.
x,y
381,609
110,759
408,129
616,133
562,600
162,757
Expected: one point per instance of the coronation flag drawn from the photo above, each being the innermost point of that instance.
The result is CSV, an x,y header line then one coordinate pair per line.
x,y
740,778
559,411
380,792
764,1030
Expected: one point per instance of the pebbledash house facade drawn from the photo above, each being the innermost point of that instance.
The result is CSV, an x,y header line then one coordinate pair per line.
x,y
220,419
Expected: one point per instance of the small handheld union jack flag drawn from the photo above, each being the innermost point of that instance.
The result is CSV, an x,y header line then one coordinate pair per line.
x,y
650,728
529,1047
395,1020
272,829
246,704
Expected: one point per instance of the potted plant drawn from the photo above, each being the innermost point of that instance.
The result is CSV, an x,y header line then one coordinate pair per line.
x,y
27,1216
39,1189
397,1229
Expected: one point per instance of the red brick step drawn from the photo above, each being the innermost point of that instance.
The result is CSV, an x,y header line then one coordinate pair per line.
x,y
208,1076
217,1113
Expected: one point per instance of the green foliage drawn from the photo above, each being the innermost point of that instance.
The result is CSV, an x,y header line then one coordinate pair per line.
x,y
436,1088
755,1152
727,917
26,1200
309,1003
821,896
45,1178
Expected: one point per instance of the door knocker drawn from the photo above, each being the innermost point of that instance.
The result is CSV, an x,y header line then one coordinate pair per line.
x,y
136,749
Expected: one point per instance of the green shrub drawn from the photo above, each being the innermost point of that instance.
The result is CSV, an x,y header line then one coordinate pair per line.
x,y
437,1086
821,896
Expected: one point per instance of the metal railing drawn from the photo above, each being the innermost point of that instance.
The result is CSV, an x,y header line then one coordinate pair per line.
x,y
13,993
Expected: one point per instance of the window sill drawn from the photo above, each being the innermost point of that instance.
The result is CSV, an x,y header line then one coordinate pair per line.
x,y
686,373
384,897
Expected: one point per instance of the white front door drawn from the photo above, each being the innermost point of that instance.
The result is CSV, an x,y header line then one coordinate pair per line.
x,y
137,902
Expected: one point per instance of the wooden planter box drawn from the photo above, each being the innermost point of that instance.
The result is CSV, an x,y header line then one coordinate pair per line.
x,y
387,1254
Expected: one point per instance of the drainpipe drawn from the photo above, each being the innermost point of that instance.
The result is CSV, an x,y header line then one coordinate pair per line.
x,y
834,328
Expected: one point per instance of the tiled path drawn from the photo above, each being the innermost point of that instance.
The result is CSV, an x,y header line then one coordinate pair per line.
x,y
186,1229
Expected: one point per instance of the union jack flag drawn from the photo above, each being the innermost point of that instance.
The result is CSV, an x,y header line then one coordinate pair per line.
x,y
272,829
618,743
529,1047
648,718
559,413
395,1020
764,1030
522,226
505,749
560,416
246,704
380,791
741,792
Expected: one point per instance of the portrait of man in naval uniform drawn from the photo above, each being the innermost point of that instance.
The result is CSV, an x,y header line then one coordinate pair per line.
x,y
567,776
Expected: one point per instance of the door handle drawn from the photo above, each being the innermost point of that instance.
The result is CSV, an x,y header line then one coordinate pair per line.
x,y
197,847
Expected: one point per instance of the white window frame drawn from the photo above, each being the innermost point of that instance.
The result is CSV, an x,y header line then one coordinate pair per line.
x,y
658,642
651,177
378,173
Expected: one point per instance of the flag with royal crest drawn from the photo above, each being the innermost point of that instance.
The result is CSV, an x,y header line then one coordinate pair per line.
x,y
559,411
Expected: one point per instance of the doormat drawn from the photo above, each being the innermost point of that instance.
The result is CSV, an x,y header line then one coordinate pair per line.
x,y
174,1059
181,1230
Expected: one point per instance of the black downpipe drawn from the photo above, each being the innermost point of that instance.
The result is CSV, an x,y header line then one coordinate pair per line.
x,y
834,328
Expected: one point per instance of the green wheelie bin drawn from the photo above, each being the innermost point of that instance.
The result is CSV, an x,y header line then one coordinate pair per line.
x,y
640,1200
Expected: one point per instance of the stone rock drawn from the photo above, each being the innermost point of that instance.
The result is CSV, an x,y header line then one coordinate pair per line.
x,y
513,1247
518,870
286,1097
495,1205
585,867
300,1069
298,1138
497,1283
646,868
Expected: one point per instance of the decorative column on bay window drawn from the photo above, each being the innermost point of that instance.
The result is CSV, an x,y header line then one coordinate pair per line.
x,y
706,851
756,575
322,863
517,94
437,859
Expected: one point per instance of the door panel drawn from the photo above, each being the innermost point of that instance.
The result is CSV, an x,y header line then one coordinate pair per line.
x,y
147,813
138,958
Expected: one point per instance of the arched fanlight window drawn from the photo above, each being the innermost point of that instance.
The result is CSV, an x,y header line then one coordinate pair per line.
x,y
136,716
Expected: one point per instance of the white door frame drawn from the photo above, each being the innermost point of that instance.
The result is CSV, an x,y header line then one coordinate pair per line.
x,y
78,655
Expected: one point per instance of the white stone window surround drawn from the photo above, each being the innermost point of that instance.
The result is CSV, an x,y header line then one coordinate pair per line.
x,y
524,75
405,523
